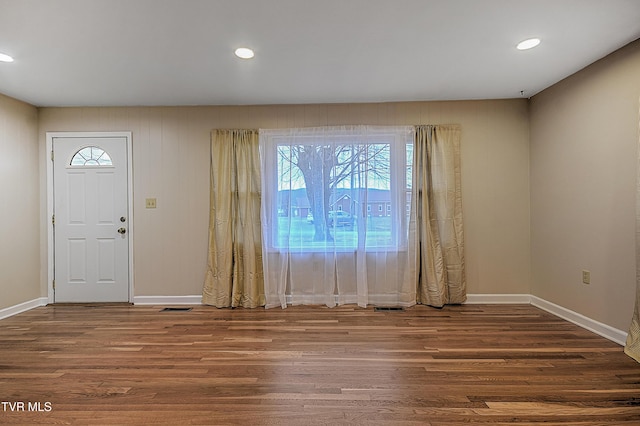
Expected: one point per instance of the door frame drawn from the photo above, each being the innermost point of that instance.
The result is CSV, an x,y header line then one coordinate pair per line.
x,y
50,136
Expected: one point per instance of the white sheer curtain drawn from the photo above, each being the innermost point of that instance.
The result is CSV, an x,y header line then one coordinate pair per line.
x,y
335,215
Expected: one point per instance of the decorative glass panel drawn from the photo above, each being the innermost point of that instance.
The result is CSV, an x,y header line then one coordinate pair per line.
x,y
91,156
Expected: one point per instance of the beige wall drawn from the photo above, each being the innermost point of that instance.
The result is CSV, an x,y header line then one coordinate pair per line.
x,y
584,136
19,204
171,163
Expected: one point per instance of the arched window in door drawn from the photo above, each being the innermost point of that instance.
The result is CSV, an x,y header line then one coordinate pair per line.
x,y
91,156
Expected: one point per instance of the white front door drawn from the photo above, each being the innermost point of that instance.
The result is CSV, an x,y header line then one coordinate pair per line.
x,y
90,231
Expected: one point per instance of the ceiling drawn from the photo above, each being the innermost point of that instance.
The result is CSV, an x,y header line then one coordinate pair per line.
x,y
180,52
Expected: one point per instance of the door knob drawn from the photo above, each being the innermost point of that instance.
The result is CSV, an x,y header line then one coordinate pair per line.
x,y
122,231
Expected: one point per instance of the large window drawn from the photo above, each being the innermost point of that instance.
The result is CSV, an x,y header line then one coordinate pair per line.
x,y
343,189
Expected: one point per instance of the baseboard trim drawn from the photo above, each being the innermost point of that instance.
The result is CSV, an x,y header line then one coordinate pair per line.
x,y
513,299
606,331
22,307
167,300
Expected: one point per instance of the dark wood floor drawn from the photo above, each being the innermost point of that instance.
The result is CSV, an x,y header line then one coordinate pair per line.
x,y
478,364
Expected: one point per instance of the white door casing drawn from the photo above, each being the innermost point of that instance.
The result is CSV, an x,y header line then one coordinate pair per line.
x,y
91,238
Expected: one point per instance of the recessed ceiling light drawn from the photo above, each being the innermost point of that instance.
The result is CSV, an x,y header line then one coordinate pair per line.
x,y
244,53
5,58
528,44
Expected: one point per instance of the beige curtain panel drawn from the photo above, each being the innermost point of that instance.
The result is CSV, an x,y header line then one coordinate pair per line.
x,y
234,275
632,347
439,237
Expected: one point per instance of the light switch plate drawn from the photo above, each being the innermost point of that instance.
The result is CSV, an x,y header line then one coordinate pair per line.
x,y
150,203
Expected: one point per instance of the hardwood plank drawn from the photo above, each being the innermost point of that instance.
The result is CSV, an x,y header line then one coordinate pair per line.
x,y
475,364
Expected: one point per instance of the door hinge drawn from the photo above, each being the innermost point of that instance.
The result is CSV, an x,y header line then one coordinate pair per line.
x,y
51,155
54,284
53,219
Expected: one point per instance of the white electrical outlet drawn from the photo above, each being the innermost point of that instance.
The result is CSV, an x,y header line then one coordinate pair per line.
x,y
586,277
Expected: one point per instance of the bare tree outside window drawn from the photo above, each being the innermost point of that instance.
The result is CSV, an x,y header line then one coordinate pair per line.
x,y
323,169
